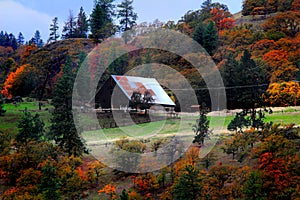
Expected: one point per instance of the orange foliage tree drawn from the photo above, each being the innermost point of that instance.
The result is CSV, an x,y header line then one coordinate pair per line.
x,y
21,82
283,94
110,190
222,18
280,66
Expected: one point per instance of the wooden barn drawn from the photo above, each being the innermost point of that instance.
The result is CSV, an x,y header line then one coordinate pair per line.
x,y
117,92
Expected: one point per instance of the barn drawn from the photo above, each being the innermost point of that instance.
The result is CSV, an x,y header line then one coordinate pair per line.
x,y
117,92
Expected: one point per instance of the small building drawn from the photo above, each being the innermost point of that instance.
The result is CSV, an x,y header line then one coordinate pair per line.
x,y
117,92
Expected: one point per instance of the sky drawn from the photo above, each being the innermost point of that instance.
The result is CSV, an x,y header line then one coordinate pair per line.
x,y
27,16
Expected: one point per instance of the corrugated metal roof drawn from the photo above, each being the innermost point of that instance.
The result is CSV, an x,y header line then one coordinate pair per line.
x,y
129,84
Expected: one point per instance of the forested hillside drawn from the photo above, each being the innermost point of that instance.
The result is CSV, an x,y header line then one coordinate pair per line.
x,y
257,53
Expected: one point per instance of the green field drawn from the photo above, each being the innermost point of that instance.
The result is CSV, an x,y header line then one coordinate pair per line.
x,y
9,121
153,129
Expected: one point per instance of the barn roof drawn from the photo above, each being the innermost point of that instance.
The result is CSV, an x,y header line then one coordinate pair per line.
x,y
128,84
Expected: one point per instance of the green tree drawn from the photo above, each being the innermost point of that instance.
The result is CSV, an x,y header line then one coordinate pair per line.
x,y
69,27
253,188
49,183
244,90
127,17
82,25
198,33
54,35
189,185
201,128
37,39
101,20
2,111
205,9
31,128
62,129
124,195
210,38
20,39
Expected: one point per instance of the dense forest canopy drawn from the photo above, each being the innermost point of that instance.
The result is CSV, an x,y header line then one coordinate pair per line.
x,y
257,54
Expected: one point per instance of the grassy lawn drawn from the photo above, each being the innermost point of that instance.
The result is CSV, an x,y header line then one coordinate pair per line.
x,y
153,129
9,121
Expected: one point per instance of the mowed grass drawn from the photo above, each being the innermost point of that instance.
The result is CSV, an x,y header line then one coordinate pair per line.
x,y
154,129
9,122
182,126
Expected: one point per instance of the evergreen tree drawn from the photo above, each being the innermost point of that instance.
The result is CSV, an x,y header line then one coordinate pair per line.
x,y
20,39
62,129
124,195
30,128
69,27
101,20
210,38
54,35
201,129
255,80
205,10
188,186
49,184
2,111
11,41
253,188
198,33
82,25
243,90
127,17
37,40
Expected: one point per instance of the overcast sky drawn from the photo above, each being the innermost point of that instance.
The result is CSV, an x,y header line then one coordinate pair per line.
x,y
27,16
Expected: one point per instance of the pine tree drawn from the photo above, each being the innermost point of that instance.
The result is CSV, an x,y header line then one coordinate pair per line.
x,y
37,39
49,184
101,20
198,33
2,110
69,27
30,128
124,195
188,187
201,129
205,10
20,39
210,38
62,129
127,17
82,25
54,35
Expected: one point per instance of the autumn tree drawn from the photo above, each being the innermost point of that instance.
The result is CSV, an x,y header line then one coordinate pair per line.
x,y
20,83
280,67
62,129
127,17
286,22
223,19
283,94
